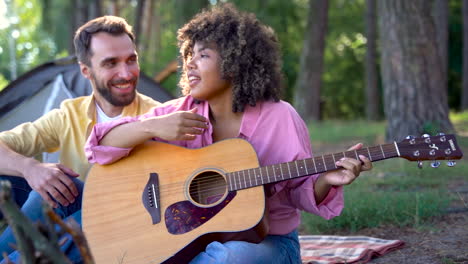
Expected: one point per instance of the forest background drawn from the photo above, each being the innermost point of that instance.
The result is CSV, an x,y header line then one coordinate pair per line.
x,y
356,70
336,63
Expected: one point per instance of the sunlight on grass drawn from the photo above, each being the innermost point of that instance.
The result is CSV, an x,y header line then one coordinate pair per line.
x,y
457,117
396,192
460,122
332,131
3,82
371,208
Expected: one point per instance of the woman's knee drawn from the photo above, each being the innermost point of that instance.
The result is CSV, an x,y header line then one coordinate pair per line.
x,y
214,253
34,196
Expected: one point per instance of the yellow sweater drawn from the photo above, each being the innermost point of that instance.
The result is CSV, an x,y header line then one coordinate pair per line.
x,y
66,129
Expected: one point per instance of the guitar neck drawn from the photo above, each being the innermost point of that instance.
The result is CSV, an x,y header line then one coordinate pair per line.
x,y
289,170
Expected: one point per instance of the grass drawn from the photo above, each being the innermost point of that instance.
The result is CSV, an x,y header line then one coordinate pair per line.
x,y
395,192
332,131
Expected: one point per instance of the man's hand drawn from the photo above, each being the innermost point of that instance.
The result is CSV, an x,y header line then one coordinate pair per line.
x,y
182,125
350,171
51,180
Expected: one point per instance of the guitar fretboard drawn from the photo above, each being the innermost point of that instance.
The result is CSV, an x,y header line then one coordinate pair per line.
x,y
289,170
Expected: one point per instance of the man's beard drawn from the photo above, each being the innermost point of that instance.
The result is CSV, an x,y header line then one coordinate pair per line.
x,y
115,100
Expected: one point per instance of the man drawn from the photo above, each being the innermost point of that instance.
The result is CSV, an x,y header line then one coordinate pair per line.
x,y
105,48
67,128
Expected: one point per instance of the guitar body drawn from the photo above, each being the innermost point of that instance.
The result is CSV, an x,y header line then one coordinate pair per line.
x,y
177,221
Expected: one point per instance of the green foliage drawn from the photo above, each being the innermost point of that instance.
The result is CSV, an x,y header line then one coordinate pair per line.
x,y
57,24
448,261
3,82
46,28
431,128
152,60
458,117
290,29
22,33
343,78
62,54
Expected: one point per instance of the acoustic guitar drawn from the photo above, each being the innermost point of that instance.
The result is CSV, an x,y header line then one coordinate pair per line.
x,y
164,203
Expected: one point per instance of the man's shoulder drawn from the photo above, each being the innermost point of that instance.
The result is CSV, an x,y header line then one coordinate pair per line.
x,y
76,105
147,101
76,102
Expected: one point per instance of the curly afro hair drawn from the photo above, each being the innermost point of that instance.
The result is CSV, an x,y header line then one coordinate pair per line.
x,y
249,52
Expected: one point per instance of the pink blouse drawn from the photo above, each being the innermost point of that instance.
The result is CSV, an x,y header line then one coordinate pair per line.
x,y
277,134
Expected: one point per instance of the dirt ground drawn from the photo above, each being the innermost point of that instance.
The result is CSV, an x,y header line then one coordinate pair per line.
x,y
445,242
442,241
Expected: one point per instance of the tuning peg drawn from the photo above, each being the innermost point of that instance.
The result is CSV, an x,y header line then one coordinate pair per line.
x,y
442,137
451,163
435,164
427,138
412,139
420,164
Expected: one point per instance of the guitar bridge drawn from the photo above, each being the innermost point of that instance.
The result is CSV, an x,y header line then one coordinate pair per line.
x,y
150,198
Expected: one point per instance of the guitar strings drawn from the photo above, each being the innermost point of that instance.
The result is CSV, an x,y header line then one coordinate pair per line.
x,y
328,158
208,180
205,185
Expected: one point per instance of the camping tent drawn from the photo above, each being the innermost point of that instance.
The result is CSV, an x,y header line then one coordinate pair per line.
x,y
46,86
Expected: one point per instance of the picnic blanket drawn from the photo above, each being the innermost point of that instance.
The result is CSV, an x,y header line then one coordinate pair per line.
x,y
344,249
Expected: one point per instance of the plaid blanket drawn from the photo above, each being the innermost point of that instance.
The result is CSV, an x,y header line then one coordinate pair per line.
x,y
344,249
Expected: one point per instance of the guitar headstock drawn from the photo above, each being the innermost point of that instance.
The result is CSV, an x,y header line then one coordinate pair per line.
x,y
440,147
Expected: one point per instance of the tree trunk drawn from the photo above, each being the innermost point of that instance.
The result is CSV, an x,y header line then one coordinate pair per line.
x,y
464,102
73,25
148,15
411,70
81,12
46,18
138,24
372,89
95,9
114,7
307,96
441,14
186,9
155,26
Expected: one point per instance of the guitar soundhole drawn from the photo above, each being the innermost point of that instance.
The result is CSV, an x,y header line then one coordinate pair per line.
x,y
208,188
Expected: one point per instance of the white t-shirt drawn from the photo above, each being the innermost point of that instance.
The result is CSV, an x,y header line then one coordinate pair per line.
x,y
102,117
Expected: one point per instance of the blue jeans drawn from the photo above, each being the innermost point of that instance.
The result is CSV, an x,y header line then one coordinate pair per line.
x,y
274,249
32,208
19,188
